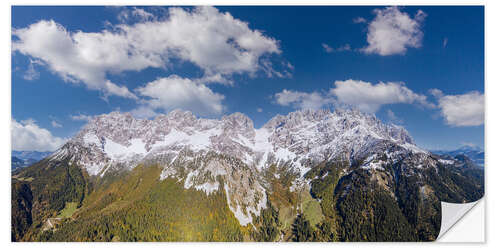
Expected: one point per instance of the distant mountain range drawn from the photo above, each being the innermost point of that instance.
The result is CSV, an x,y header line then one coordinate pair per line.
x,y
474,153
310,175
20,159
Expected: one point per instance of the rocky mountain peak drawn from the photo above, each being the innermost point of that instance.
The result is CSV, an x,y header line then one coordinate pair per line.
x,y
238,120
301,135
181,116
197,150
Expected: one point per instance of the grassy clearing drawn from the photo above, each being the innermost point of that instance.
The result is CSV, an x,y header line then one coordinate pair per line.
x,y
68,210
310,207
29,179
312,211
287,216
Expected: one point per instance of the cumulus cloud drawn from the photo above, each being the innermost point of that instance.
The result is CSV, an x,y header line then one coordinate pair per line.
x,y
55,124
463,110
365,96
328,49
31,73
27,135
81,117
370,97
359,20
436,93
176,92
458,110
78,57
302,100
135,14
215,42
392,32
393,117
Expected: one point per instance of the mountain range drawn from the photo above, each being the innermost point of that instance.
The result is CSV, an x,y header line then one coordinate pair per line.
x,y
320,175
20,159
474,153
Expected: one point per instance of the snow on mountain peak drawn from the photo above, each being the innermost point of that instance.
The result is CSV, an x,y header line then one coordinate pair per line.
x,y
198,150
300,135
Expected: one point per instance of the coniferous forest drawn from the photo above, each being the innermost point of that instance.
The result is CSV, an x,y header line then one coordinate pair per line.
x,y
60,202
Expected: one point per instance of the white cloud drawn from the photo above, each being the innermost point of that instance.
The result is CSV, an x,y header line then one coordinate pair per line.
x,y
436,93
55,124
302,100
346,47
370,97
458,110
215,42
175,92
142,14
393,32
365,96
445,42
134,14
359,20
463,110
81,117
328,49
31,73
77,57
393,117
26,135
142,112
217,78
259,110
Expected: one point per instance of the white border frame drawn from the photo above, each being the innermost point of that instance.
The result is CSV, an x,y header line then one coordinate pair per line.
x,y
492,81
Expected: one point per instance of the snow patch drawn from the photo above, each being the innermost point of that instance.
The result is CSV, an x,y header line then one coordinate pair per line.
x,y
256,210
199,140
208,187
94,169
447,162
117,151
91,138
413,148
243,218
371,163
189,182
167,172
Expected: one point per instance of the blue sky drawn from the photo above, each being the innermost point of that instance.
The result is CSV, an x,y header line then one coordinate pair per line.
x,y
420,67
